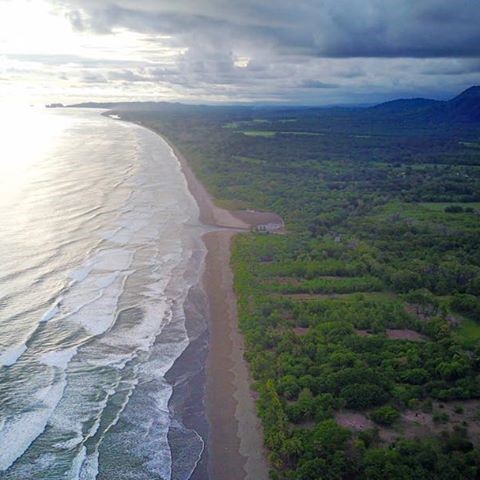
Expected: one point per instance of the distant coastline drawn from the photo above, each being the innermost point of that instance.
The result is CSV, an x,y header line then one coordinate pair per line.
x,y
55,105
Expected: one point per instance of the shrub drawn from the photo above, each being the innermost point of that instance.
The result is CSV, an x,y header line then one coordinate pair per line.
x,y
360,396
454,209
386,415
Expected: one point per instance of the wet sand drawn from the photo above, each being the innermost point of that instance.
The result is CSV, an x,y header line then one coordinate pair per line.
x,y
235,441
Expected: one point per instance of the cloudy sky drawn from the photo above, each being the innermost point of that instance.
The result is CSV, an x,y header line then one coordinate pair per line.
x,y
303,51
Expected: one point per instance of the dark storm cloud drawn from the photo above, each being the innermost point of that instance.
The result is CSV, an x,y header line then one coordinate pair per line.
x,y
326,28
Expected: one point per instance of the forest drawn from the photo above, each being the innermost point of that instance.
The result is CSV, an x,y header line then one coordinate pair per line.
x,y
361,320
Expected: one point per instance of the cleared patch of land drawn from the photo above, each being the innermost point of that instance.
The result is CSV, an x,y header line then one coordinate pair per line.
x,y
405,334
353,420
258,133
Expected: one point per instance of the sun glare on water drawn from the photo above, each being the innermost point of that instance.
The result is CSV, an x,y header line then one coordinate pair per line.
x,y
27,135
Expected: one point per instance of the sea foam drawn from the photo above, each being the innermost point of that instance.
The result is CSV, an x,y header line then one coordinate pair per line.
x,y
10,355
19,431
114,255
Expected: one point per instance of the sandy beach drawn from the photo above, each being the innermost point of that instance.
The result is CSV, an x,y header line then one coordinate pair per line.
x,y
235,441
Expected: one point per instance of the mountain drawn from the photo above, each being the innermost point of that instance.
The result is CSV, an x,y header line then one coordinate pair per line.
x,y
464,108
406,105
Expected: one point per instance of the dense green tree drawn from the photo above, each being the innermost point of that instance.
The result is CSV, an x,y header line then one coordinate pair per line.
x,y
385,415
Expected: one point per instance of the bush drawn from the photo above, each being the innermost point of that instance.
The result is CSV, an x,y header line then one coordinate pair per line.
x,y
361,396
415,376
453,209
440,417
466,304
329,437
386,415
288,387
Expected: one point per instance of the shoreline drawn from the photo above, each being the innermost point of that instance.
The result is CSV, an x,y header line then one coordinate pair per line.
x,y
235,441
235,447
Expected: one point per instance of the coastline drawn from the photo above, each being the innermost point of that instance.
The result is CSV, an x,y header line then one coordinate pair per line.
x,y
235,439
235,436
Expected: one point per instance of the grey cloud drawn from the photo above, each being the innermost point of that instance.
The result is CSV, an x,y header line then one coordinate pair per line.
x,y
76,20
128,76
56,59
276,50
94,78
315,45
328,28
316,84
454,67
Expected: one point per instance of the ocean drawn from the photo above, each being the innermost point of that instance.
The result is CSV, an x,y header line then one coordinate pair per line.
x,y
100,262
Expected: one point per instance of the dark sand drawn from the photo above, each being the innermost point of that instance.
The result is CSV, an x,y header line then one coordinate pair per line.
x,y
235,439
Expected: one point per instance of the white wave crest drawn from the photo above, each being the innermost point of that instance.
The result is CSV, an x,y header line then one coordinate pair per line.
x,y
12,354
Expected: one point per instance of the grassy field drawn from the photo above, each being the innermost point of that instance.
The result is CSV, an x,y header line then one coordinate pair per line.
x,y
442,205
430,213
258,133
272,133
468,332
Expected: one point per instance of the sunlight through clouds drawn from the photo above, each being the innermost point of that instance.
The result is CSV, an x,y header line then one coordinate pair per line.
x,y
42,57
224,51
